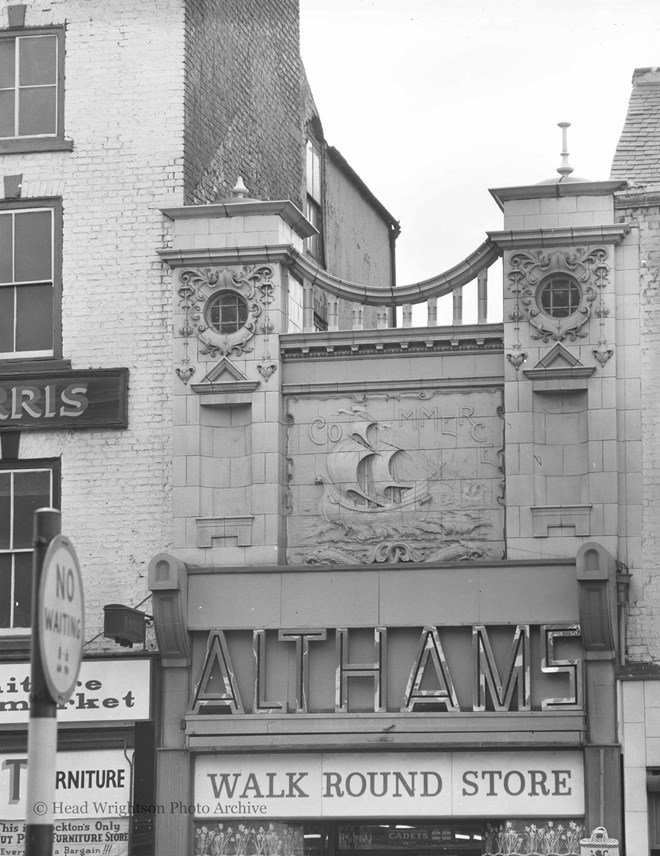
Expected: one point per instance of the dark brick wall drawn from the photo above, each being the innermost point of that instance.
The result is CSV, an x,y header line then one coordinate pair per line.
x,y
244,108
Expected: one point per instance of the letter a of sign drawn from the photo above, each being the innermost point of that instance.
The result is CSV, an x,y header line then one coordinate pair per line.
x,y
217,683
430,648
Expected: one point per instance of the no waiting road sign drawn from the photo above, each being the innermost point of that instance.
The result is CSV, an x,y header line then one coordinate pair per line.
x,y
61,617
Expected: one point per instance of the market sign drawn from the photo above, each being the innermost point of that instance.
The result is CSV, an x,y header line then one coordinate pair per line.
x,y
69,399
116,690
447,784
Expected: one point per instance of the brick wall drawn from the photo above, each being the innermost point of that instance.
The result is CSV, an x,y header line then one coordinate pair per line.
x,y
123,105
243,106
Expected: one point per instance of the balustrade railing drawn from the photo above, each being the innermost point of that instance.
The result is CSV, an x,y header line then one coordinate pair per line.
x,y
386,301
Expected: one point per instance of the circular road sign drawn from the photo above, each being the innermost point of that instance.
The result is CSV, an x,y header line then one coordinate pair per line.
x,y
61,618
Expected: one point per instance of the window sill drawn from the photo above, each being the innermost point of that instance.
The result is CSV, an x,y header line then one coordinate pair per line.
x,y
13,644
26,145
37,366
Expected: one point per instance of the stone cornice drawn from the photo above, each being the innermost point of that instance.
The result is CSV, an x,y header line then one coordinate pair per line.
x,y
204,256
246,208
392,386
554,190
516,239
469,338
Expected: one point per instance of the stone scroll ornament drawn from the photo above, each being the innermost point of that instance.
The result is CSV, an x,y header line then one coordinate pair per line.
x,y
527,271
198,286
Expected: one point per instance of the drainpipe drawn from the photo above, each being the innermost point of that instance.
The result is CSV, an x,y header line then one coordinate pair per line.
x,y
394,232
623,577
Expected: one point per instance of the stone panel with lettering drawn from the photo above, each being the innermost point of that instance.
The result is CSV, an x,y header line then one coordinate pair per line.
x,y
399,477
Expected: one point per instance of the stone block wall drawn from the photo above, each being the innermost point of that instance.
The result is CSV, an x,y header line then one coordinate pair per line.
x,y
643,629
123,111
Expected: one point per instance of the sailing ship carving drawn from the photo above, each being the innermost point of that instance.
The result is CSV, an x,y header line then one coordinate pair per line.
x,y
363,479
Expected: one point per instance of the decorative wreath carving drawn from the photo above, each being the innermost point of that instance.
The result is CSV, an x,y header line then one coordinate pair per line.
x,y
530,270
201,285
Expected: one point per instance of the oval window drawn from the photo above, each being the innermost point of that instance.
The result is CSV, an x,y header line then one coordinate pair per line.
x,y
559,296
226,312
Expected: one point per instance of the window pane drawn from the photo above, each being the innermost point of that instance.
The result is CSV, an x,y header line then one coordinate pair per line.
x,y
5,512
34,318
5,590
37,60
7,62
7,320
31,491
6,250
7,113
33,260
37,111
22,589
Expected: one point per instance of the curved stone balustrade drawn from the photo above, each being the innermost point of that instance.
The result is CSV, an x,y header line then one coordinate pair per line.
x,y
436,286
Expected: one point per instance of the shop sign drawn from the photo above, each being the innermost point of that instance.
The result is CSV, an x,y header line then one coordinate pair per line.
x,y
90,784
106,690
91,807
97,837
501,683
70,399
448,784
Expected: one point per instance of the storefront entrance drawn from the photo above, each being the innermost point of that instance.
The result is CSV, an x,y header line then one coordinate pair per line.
x,y
388,838
410,839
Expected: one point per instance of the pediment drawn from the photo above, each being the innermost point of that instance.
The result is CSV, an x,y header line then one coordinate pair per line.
x,y
558,357
559,364
225,377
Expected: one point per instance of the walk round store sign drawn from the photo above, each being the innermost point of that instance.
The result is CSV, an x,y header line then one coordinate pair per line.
x,y
61,618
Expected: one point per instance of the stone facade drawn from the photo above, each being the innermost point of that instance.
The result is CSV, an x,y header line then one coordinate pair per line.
x,y
637,159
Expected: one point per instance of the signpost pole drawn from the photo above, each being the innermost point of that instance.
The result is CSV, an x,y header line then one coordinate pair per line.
x,y
42,728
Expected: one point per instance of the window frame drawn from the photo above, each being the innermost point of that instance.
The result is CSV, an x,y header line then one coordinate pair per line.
x,y
217,300
40,142
546,286
54,204
314,197
12,466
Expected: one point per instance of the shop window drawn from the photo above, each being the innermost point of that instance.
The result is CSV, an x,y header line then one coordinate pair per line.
x,y
24,487
314,200
31,90
444,837
30,262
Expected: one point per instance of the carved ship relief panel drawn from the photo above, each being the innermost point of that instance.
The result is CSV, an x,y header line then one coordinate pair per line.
x,y
405,477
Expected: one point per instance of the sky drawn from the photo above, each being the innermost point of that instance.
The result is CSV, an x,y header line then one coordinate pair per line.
x,y
433,102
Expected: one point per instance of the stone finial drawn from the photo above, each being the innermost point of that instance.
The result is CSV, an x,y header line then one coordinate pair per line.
x,y
564,169
239,191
